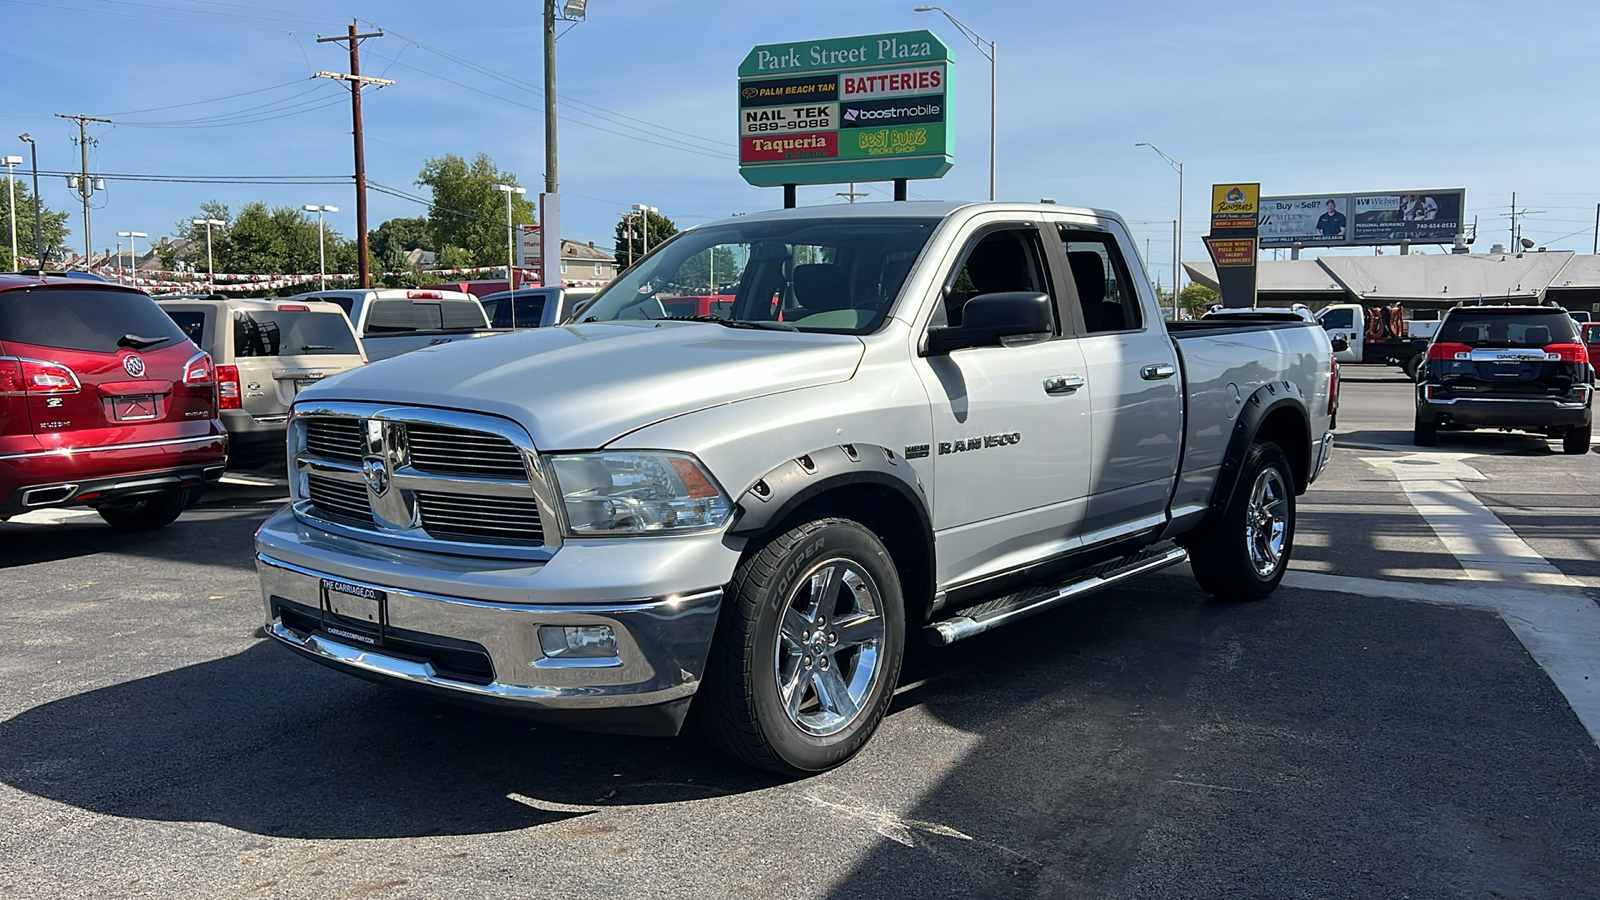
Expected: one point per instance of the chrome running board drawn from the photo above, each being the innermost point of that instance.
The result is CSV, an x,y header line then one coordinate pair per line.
x,y
978,619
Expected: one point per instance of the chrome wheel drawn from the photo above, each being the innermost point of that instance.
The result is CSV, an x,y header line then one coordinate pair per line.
x,y
828,654
1266,522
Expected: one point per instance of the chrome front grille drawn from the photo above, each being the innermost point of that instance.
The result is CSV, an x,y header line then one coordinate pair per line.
x,y
338,439
455,451
340,501
443,480
489,520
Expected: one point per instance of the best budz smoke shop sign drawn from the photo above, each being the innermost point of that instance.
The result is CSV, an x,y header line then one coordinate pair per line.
x,y
871,108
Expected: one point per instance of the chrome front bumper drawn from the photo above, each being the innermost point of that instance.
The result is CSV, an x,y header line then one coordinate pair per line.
x,y
1324,453
645,688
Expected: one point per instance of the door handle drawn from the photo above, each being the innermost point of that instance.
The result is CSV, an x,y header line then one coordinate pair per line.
x,y
1063,384
1158,371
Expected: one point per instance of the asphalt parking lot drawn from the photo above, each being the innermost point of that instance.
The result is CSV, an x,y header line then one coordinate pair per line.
x,y
1414,714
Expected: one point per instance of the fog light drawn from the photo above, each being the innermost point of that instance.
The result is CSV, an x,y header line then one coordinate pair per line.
x,y
578,641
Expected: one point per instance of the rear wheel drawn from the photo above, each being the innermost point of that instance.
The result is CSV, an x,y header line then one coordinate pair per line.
x,y
1576,440
807,651
1411,366
146,513
1243,555
1424,433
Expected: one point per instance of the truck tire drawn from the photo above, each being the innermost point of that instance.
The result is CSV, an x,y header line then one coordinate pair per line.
x,y
1424,433
1243,555
146,514
1413,365
1576,440
807,650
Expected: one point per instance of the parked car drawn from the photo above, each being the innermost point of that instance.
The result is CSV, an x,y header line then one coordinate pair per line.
x,y
265,352
1521,367
392,321
914,416
539,307
103,403
1591,340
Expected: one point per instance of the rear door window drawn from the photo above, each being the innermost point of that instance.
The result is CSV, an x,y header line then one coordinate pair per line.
x,y
291,333
85,319
1105,290
1533,328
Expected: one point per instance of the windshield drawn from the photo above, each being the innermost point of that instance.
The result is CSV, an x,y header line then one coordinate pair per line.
x,y
99,321
828,275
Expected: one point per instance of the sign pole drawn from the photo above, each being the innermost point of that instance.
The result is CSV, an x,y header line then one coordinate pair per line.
x,y
789,196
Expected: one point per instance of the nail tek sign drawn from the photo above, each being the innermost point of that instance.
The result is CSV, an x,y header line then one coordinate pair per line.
x,y
870,108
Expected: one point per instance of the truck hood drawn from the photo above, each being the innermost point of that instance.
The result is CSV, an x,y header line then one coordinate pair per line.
x,y
580,387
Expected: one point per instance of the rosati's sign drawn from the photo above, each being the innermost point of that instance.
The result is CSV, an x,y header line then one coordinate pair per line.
x,y
1232,241
1363,220
869,108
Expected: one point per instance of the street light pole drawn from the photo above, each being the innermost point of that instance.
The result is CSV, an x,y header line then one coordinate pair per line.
x,y
133,251
511,240
644,225
11,163
211,277
38,229
977,41
1177,240
322,258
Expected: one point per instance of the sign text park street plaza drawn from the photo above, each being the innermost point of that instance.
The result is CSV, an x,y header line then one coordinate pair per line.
x,y
871,108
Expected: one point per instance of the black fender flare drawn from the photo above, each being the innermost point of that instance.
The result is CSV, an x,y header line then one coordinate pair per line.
x,y
778,494
1267,399
781,491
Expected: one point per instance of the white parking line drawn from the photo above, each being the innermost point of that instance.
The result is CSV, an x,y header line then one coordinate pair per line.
x,y
1556,622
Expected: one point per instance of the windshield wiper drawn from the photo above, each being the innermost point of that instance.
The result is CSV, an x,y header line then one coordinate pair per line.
x,y
737,323
135,342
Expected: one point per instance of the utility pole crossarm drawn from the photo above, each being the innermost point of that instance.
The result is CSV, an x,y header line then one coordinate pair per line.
x,y
362,79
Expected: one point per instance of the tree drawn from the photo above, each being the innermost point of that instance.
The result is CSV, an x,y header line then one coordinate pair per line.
x,y
399,236
468,213
694,275
1197,298
628,248
192,255
259,241
55,226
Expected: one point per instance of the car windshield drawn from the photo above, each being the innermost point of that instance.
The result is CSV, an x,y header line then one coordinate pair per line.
x,y
826,275
1533,327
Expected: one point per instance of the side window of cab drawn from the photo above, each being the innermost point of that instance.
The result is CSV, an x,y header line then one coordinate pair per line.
x,y
997,260
1106,294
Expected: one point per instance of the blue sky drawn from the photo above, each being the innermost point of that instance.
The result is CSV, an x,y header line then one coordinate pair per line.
x,y
1303,97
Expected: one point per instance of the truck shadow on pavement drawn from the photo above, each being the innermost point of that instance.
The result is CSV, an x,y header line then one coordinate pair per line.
x,y
274,745
214,532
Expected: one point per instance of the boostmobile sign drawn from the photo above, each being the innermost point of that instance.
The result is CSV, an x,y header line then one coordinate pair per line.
x,y
870,108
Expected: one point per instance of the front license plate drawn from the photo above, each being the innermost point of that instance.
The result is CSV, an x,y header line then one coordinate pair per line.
x,y
133,407
354,611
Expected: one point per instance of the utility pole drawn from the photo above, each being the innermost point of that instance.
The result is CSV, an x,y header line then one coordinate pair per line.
x,y
85,186
355,79
11,163
851,194
38,216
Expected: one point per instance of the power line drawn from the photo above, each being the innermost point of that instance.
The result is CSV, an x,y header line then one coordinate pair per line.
x,y
265,112
56,7
201,12
134,112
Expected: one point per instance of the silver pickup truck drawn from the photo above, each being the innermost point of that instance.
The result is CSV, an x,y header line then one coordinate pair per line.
x,y
915,416
392,321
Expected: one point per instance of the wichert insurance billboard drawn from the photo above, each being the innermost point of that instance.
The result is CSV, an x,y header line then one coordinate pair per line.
x,y
869,108
1363,220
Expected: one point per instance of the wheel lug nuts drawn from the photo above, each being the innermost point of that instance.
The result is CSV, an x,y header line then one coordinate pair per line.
x,y
824,662
833,637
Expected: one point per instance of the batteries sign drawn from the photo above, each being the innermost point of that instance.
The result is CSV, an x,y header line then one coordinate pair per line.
x,y
870,108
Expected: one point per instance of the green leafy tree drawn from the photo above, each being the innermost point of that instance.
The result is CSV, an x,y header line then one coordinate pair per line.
x,y
189,251
468,213
695,275
55,229
629,245
1196,298
399,236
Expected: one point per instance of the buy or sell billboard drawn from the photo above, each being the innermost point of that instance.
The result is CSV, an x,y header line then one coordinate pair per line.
x,y
1363,220
870,108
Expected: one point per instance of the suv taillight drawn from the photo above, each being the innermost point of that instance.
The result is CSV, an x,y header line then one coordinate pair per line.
x,y
35,376
1569,352
198,370
1446,350
228,387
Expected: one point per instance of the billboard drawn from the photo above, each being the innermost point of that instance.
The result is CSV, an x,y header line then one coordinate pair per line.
x,y
1363,220
869,108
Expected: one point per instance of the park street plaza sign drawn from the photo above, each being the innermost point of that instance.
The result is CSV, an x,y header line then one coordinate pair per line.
x,y
869,108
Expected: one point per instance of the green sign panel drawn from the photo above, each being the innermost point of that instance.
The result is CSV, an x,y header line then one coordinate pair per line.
x,y
869,108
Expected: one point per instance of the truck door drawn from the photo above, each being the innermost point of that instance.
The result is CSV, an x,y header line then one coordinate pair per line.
x,y
1010,423
1133,386
1344,320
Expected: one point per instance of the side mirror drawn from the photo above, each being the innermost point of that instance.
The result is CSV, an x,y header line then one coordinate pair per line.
x,y
988,318
1340,345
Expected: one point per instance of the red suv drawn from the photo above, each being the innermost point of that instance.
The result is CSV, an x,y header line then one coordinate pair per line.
x,y
103,403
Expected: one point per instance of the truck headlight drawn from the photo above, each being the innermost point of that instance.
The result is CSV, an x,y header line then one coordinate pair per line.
x,y
638,492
